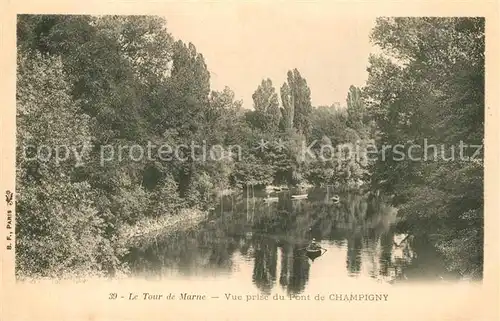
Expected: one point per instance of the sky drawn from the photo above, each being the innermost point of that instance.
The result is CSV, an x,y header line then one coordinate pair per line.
x,y
245,43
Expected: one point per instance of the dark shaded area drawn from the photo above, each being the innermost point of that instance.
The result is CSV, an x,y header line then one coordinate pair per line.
x,y
271,239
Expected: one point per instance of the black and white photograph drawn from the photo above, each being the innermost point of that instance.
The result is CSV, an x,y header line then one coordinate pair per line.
x,y
293,156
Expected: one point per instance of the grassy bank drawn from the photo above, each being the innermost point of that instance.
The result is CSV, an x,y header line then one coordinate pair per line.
x,y
149,228
128,236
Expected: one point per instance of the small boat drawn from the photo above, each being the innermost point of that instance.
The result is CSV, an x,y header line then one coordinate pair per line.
x,y
225,192
305,186
271,199
300,196
272,188
399,239
314,251
314,255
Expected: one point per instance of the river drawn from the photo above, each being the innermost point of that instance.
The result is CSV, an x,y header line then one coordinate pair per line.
x,y
261,245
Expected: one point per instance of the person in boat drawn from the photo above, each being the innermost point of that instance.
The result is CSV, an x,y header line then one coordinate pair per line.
x,y
314,250
314,245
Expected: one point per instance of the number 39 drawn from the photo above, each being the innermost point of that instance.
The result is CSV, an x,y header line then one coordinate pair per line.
x,y
113,296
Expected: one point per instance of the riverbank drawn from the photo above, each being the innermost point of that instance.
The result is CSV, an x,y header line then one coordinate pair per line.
x,y
150,228
128,236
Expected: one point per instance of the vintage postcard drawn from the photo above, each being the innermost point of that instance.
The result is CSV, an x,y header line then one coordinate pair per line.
x,y
269,160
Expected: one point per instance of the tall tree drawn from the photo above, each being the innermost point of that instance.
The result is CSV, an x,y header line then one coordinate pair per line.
x,y
288,109
296,100
355,107
266,105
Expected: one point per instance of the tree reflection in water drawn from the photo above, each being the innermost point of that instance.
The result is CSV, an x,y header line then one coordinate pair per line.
x,y
264,269
294,272
271,237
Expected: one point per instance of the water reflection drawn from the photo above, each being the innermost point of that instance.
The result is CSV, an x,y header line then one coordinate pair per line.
x,y
265,263
264,242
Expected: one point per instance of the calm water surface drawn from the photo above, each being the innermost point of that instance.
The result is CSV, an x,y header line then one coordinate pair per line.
x,y
261,244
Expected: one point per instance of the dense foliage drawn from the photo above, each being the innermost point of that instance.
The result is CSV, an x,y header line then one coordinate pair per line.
x,y
108,91
428,86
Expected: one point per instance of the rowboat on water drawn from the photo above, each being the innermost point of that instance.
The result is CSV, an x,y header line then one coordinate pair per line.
x,y
314,250
313,246
271,199
272,188
335,198
314,254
